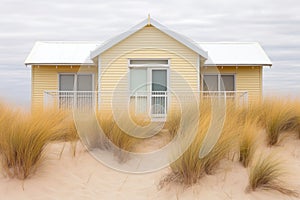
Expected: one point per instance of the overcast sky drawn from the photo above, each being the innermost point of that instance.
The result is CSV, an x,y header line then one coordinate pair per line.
x,y
273,23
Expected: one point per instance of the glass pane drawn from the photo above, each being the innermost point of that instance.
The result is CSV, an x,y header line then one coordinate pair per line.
x,y
210,82
66,82
138,80
148,62
85,82
228,83
159,80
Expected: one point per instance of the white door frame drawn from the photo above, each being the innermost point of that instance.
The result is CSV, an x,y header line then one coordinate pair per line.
x,y
150,69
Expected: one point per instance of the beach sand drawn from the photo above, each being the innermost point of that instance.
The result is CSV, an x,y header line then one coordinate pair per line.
x,y
82,177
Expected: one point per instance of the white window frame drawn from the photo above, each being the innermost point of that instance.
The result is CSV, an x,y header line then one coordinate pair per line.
x,y
149,68
75,79
219,80
149,65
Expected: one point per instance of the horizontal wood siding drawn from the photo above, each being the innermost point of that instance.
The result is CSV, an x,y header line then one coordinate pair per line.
x,y
248,78
147,43
46,78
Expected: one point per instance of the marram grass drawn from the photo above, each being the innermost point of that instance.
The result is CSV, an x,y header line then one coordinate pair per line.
x,y
242,134
122,141
24,137
279,116
189,168
248,143
267,173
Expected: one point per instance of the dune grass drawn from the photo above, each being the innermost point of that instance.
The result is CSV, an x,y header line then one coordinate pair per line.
x,y
279,116
189,168
23,138
267,173
241,135
173,122
248,143
118,137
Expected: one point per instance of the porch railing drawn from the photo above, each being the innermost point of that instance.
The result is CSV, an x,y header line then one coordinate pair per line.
x,y
81,100
156,103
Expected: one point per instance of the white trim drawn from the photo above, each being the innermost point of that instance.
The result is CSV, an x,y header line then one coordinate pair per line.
x,y
198,72
62,64
239,65
148,65
159,68
99,81
150,68
183,40
168,86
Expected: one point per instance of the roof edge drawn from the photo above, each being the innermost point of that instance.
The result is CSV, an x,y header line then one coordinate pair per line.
x,y
185,41
60,64
238,65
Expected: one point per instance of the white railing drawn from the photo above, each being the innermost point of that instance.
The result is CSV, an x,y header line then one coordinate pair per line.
x,y
239,97
81,100
154,103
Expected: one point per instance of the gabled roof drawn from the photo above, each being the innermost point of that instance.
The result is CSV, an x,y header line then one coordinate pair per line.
x,y
61,52
180,38
83,52
235,53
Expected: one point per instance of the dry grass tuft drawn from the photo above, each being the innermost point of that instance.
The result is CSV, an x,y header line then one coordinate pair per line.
x,y
173,122
189,168
278,116
23,138
267,173
248,143
118,137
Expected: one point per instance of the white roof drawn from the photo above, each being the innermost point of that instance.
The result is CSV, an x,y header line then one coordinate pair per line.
x,y
82,52
180,38
61,52
235,53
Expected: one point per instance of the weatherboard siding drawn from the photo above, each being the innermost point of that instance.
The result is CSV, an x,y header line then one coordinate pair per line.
x,y
147,43
248,78
46,78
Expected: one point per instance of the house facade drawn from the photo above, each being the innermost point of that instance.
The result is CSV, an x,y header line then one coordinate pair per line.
x,y
147,67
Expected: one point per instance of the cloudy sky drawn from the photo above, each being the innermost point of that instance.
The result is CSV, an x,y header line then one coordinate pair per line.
x,y
273,23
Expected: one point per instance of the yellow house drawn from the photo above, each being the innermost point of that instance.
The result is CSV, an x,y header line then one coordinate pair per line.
x,y
145,66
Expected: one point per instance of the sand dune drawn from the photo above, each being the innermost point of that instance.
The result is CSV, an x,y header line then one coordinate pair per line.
x,y
82,177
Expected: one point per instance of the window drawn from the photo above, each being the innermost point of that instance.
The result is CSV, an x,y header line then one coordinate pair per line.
x,y
84,82
66,82
75,82
143,71
152,62
138,79
219,82
76,91
210,82
159,80
227,83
